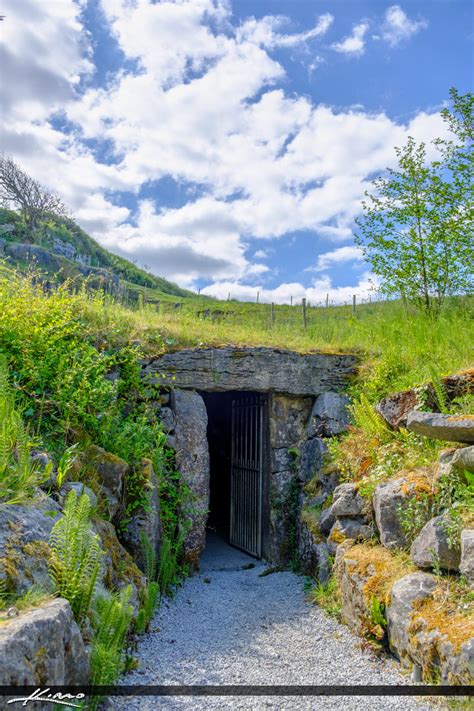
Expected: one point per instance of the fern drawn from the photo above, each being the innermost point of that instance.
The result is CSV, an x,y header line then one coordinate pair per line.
x,y
146,611
75,555
111,619
366,417
19,476
170,551
150,558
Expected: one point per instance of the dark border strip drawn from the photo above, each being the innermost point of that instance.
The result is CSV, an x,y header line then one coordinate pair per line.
x,y
240,690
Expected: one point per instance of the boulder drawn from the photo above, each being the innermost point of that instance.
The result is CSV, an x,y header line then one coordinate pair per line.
x,y
387,500
24,549
80,489
466,566
404,594
464,459
395,408
345,528
326,521
43,647
329,416
311,459
109,471
347,501
431,546
192,461
416,639
450,428
145,522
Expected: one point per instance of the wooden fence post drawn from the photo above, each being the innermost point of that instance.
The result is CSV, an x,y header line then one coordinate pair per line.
x,y
354,304
291,301
304,312
273,314
258,296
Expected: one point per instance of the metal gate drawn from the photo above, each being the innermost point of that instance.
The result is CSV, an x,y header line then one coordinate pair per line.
x,y
247,463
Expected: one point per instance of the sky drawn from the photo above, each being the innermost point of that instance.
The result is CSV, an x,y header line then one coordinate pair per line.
x,y
227,144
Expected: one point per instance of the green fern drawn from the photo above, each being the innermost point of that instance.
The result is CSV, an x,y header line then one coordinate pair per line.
x,y
111,619
75,555
170,551
19,476
150,557
366,417
148,608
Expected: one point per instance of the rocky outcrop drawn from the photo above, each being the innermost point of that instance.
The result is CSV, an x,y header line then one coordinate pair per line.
x,y
388,500
329,416
24,549
355,529
450,428
80,489
43,647
432,546
395,408
108,470
466,566
145,522
463,459
405,593
192,461
255,369
311,459
347,502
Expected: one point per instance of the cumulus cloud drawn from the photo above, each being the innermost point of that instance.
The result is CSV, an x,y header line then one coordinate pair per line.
x,y
337,256
285,293
398,27
354,43
199,101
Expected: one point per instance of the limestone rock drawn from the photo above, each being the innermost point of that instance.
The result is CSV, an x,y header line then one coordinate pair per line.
x,y
387,500
329,416
467,554
144,522
311,459
167,419
43,647
464,459
352,582
431,545
395,408
288,418
110,471
345,528
450,428
192,461
80,489
118,567
326,521
255,369
405,592
24,549
347,501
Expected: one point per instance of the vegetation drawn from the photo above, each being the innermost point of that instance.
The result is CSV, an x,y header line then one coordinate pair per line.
x,y
417,225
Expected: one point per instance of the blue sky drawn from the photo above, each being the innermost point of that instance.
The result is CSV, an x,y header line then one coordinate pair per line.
x,y
227,145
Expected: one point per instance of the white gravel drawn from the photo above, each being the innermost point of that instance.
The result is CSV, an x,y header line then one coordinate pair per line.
x,y
227,625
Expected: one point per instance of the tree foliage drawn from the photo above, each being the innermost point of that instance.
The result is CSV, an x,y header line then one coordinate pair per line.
x,y
27,194
417,223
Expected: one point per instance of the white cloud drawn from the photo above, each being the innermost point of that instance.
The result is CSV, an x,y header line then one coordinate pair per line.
x,y
264,31
261,254
204,108
354,43
316,294
337,256
398,27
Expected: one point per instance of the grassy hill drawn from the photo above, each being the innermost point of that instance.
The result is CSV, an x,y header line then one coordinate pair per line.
x,y
62,249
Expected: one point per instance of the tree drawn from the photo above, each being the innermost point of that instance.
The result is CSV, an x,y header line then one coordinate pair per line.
x,y
27,194
417,224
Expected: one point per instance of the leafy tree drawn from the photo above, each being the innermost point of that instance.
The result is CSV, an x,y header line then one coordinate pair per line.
x,y
31,197
417,224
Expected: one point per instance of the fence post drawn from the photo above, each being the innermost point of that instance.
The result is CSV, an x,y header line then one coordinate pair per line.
x,y
291,301
327,300
228,296
273,314
304,311
258,296
354,304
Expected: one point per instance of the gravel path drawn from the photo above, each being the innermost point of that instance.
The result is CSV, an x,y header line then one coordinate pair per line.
x,y
228,625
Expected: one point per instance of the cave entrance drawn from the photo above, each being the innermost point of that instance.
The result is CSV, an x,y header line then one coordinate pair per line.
x,y
237,434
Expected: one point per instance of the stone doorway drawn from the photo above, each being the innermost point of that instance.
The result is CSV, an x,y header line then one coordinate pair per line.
x,y
237,435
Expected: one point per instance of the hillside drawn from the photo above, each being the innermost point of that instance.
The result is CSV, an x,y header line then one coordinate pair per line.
x,y
61,249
